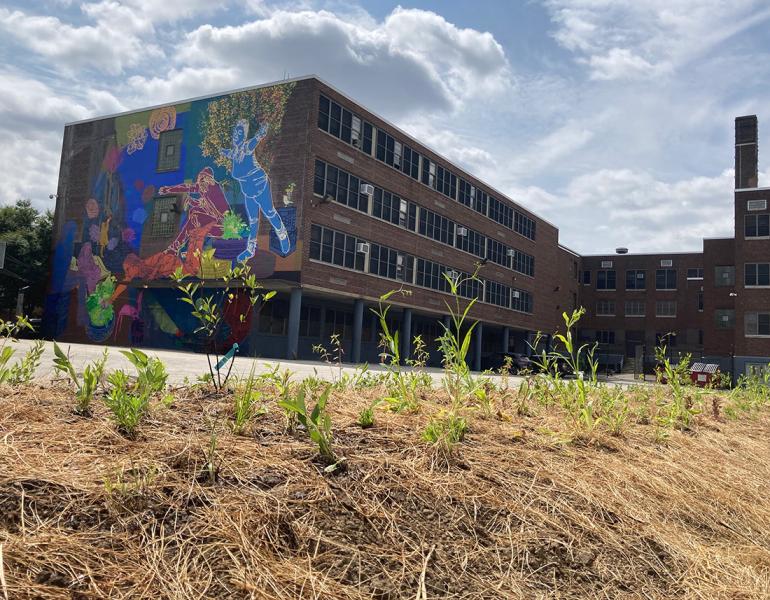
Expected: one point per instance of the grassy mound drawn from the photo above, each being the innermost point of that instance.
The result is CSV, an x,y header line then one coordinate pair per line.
x,y
523,507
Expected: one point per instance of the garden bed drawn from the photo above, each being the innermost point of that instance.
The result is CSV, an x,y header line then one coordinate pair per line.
x,y
525,506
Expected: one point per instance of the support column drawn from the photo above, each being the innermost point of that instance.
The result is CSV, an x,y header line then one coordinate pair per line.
x,y
358,324
477,335
295,308
406,334
506,338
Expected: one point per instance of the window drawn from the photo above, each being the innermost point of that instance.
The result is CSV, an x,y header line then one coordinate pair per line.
x,y
757,324
521,301
695,273
390,263
524,225
391,208
368,138
523,263
428,172
724,276
605,337
605,280
481,203
586,277
635,280
169,150
665,279
466,194
665,308
757,274
436,227
472,242
273,317
163,216
310,321
500,213
497,252
340,186
635,308
445,182
497,294
431,275
725,318
338,322
756,226
410,164
335,247
605,308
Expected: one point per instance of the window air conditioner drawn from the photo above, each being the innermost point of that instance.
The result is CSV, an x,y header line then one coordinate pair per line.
x,y
462,231
510,252
666,263
515,293
366,188
362,247
356,142
606,264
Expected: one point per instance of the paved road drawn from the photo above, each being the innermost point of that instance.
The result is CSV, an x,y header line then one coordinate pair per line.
x,y
190,365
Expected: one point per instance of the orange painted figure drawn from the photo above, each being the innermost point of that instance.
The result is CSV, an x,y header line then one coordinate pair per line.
x,y
206,205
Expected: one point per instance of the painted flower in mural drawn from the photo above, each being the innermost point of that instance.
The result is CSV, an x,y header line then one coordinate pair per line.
x,y
162,119
128,235
137,136
112,159
262,108
148,193
98,304
94,233
92,208
233,227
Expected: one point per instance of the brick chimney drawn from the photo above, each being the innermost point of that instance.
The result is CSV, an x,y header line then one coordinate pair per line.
x,y
746,152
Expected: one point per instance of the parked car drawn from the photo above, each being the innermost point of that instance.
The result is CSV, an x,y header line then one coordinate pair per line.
x,y
519,362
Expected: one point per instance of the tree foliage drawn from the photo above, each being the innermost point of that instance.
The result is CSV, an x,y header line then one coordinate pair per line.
x,y
27,233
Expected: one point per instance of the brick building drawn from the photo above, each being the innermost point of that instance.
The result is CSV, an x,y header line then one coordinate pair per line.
x,y
332,206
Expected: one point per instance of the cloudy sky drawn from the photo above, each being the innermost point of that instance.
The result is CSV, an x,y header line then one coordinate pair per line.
x,y
613,119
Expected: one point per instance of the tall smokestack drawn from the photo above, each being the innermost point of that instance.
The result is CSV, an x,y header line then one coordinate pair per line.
x,y
746,152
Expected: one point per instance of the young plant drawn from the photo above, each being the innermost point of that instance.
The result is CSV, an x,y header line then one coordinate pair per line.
x,y
332,357
445,431
85,389
366,416
24,370
245,399
151,372
8,332
316,422
127,403
208,304
681,411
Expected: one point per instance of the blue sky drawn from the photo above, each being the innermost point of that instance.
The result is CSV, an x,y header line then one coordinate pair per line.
x,y
613,120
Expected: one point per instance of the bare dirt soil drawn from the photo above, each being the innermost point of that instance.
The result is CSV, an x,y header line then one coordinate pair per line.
x,y
524,509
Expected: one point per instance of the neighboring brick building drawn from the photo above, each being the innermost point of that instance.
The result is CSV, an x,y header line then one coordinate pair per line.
x,y
332,206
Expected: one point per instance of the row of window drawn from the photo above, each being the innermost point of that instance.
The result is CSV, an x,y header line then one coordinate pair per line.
x,y
344,250
342,187
346,126
755,274
608,337
636,308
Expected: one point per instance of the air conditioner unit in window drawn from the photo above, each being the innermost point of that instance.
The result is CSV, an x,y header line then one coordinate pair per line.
x,y
756,205
510,252
666,263
397,162
606,264
452,274
362,247
515,294
462,231
366,188
356,142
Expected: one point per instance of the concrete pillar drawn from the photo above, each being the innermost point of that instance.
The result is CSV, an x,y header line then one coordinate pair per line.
x,y
295,308
477,335
506,338
406,334
358,325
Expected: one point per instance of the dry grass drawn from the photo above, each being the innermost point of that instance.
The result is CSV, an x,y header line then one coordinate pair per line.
x,y
518,513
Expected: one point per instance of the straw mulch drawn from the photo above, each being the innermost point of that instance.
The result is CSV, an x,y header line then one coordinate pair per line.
x,y
518,512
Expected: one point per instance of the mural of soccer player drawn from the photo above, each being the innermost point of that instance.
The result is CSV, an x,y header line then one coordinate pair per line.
x,y
255,186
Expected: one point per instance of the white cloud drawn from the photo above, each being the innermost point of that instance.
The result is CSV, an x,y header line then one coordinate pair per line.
x,y
111,45
631,40
412,60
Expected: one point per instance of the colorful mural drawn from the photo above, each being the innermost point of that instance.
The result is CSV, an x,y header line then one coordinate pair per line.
x,y
182,186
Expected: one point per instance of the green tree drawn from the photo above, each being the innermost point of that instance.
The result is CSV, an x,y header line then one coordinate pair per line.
x,y
27,234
